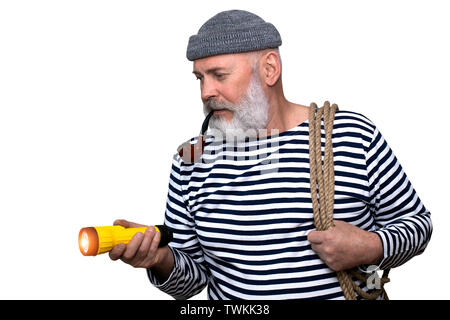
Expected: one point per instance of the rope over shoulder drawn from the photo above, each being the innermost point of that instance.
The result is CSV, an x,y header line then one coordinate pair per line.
x,y
322,188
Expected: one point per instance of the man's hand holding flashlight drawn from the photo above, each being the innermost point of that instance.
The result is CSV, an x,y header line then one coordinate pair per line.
x,y
142,251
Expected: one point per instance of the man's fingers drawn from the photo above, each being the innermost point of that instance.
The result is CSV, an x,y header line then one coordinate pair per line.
x,y
117,251
145,245
155,242
153,248
132,247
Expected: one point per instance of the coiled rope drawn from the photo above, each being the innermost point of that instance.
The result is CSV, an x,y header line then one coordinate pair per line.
x,y
322,188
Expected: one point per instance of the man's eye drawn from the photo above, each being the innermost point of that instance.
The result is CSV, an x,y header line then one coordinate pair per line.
x,y
220,75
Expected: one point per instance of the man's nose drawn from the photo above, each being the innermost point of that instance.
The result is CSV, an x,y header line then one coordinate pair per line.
x,y
209,90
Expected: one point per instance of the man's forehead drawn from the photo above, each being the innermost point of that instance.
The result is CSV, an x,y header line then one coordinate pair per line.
x,y
213,63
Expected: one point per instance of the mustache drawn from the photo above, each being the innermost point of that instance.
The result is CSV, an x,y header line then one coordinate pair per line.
x,y
211,105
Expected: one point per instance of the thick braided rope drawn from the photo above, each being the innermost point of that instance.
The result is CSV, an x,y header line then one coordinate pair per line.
x,y
322,178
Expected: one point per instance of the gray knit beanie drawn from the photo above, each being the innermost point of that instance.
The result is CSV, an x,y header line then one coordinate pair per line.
x,y
232,31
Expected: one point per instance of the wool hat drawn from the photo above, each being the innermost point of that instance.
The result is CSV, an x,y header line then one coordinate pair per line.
x,y
232,31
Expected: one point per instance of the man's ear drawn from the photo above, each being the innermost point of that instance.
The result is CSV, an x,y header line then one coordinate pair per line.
x,y
271,65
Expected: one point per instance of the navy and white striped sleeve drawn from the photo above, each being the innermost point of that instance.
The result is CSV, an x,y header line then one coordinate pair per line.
x,y
189,275
403,223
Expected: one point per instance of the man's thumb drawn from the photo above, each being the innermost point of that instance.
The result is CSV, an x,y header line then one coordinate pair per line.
x,y
127,224
315,237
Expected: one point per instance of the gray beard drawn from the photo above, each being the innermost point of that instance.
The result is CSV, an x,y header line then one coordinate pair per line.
x,y
250,114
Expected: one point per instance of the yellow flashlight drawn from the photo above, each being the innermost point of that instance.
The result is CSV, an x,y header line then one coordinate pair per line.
x,y
96,240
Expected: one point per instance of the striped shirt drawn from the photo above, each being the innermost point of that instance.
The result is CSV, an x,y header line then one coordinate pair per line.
x,y
241,216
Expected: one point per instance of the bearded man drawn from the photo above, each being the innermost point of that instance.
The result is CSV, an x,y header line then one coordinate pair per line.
x,y
242,216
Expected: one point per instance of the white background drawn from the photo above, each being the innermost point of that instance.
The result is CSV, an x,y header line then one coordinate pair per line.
x,y
95,96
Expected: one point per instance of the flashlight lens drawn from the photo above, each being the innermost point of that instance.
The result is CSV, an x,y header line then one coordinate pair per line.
x,y
84,242
88,241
